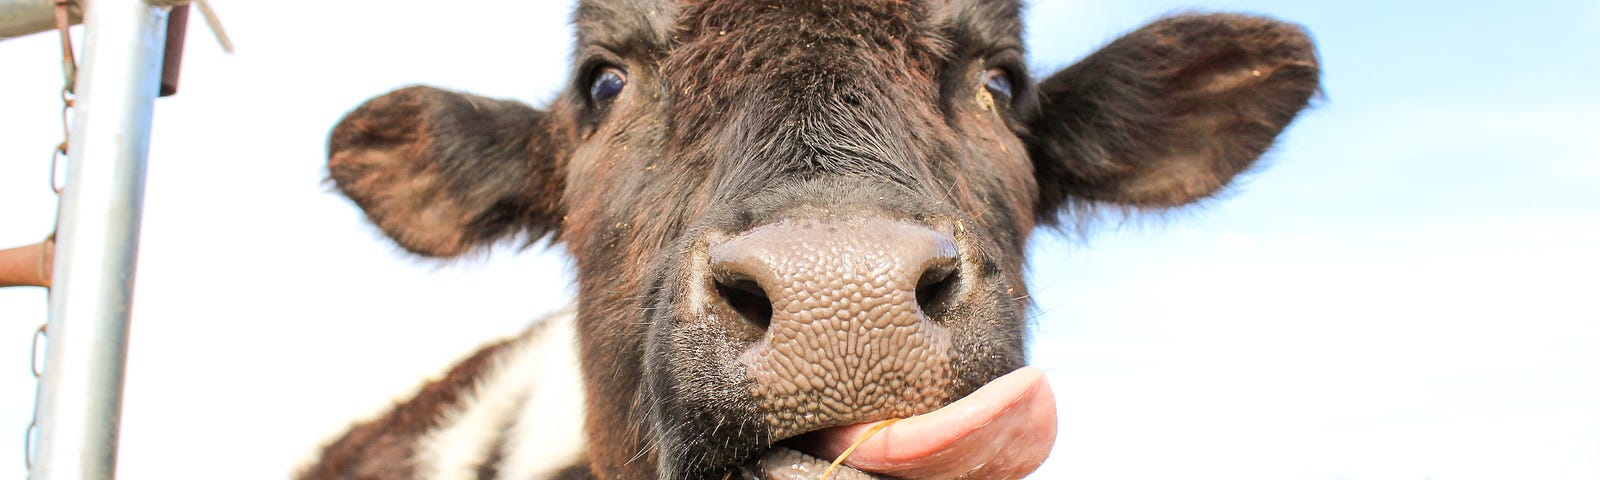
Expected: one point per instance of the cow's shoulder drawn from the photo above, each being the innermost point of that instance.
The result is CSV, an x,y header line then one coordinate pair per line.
x,y
513,409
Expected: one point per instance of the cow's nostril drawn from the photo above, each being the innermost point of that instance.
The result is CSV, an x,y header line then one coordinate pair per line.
x,y
748,299
936,287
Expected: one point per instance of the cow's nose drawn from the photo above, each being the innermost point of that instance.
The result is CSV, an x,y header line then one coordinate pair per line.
x,y
852,309
877,271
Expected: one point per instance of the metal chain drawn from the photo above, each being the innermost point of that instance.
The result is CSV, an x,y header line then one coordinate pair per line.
x,y
41,336
60,151
35,367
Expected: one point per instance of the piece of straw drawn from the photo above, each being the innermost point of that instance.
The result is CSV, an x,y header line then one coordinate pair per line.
x,y
859,440
215,24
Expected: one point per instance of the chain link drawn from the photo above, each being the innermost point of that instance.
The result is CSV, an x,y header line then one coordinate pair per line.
x,y
35,366
41,336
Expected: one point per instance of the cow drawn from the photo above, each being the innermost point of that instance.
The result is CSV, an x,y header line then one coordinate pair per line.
x,y
789,220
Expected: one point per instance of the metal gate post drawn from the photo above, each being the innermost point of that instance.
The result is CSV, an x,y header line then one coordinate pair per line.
x,y
81,394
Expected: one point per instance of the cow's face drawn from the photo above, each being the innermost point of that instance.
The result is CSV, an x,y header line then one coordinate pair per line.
x,y
795,215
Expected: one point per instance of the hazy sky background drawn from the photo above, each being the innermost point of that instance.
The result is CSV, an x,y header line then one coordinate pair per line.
x,y
1406,290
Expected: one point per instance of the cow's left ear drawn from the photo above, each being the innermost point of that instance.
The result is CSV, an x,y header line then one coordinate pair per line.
x,y
1168,114
442,173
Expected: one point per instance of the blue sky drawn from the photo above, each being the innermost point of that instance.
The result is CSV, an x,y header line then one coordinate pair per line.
x,y
1405,290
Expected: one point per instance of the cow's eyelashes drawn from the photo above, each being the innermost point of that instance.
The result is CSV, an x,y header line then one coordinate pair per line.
x,y
998,81
606,84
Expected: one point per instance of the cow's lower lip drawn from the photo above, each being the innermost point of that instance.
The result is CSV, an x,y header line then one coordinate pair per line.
x,y
784,463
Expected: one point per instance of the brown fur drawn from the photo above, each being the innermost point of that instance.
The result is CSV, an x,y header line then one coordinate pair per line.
x,y
738,114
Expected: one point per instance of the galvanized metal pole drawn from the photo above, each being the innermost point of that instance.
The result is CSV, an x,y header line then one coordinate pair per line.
x,y
81,395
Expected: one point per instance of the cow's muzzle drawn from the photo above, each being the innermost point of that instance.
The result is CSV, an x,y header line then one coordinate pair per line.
x,y
851,311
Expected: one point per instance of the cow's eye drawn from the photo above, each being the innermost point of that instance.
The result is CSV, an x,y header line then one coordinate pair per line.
x,y
997,81
607,84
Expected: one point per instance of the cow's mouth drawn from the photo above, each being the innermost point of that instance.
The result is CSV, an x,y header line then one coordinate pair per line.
x,y
784,463
1003,430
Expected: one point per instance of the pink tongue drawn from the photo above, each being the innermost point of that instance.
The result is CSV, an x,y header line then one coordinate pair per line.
x,y
1003,430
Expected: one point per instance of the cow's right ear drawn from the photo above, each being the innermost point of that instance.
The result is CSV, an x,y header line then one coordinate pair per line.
x,y
443,173
1169,114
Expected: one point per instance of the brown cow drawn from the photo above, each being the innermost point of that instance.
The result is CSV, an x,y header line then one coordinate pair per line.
x,y
787,216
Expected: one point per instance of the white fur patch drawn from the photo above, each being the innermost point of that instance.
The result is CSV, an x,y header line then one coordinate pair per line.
x,y
535,391
548,435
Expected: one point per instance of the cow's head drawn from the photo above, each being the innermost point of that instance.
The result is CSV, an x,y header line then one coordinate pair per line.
x,y
794,215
